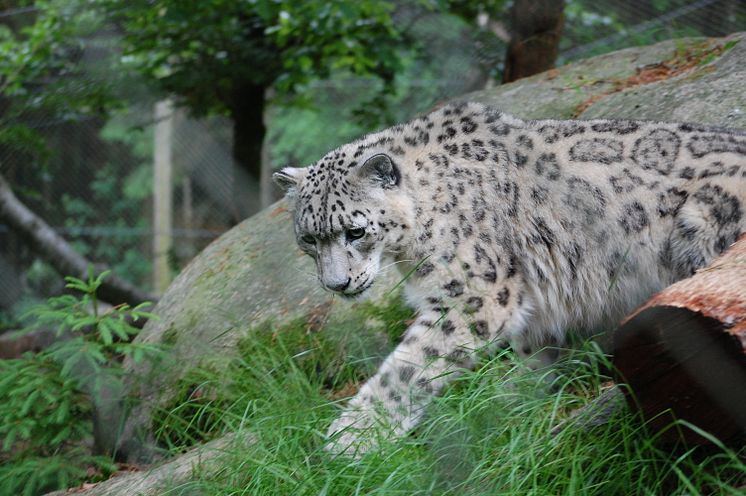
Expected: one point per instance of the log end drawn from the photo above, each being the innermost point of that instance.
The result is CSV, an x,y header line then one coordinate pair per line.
x,y
681,364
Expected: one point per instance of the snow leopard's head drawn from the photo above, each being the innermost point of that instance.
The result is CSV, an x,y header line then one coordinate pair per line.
x,y
349,211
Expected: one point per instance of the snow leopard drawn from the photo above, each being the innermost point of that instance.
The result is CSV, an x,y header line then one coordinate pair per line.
x,y
509,230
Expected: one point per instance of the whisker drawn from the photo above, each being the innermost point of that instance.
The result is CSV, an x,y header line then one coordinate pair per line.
x,y
394,263
310,275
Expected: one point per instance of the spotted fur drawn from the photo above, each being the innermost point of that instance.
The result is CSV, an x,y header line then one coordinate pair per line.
x,y
512,231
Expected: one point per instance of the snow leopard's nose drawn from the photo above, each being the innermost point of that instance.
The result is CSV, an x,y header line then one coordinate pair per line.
x,y
334,265
339,286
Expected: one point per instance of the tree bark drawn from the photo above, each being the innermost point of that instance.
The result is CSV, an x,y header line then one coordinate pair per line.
x,y
536,27
683,354
57,252
247,111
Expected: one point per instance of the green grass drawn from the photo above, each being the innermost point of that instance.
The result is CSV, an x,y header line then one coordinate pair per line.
x,y
489,434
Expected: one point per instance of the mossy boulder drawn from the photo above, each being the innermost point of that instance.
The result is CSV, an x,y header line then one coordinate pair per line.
x,y
693,79
254,273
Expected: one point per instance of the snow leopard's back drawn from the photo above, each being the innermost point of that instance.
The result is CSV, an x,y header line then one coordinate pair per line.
x,y
597,214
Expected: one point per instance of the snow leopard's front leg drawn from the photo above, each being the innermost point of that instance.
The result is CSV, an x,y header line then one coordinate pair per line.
x,y
444,339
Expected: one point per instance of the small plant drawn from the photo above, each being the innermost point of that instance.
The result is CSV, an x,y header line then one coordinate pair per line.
x,y
47,398
98,338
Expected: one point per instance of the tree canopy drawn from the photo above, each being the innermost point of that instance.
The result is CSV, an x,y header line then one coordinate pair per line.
x,y
203,51
222,56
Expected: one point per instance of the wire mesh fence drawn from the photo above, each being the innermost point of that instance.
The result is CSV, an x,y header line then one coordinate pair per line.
x,y
95,185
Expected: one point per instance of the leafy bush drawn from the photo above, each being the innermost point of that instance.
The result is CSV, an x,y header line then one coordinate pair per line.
x,y
47,399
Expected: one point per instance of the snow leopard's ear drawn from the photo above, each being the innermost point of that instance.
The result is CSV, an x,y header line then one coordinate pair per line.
x,y
382,170
288,178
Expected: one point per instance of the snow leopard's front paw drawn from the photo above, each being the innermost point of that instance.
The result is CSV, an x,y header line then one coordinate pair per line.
x,y
358,431
354,433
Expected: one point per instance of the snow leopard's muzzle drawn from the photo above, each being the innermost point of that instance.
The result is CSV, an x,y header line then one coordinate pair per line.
x,y
341,273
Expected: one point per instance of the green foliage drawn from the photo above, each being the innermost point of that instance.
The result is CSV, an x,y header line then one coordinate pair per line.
x,y
35,475
342,108
60,73
209,52
205,51
46,54
41,405
612,26
43,415
47,399
44,49
302,135
123,127
394,317
122,194
98,336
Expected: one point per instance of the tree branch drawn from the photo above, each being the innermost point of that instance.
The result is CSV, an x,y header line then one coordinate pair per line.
x,y
57,252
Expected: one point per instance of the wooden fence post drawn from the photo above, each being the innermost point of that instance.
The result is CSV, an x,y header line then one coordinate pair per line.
x,y
162,194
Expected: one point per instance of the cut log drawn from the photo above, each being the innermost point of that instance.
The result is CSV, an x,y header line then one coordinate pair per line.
x,y
683,353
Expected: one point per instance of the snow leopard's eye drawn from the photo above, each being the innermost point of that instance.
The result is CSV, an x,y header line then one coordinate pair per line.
x,y
308,239
355,233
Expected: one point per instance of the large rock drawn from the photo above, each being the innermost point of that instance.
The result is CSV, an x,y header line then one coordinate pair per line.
x,y
255,273
701,80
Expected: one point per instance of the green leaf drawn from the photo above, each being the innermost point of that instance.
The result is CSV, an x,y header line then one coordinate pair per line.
x,y
29,403
105,332
62,436
96,283
76,284
10,438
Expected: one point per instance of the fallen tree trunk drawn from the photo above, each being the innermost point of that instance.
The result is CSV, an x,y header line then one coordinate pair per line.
x,y
13,345
155,480
683,354
59,254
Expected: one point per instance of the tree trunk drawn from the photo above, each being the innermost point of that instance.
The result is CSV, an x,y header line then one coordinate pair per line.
x,y
247,111
536,27
683,354
58,252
